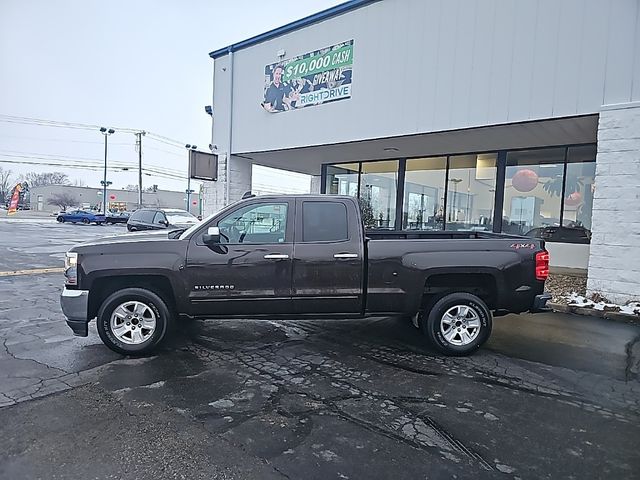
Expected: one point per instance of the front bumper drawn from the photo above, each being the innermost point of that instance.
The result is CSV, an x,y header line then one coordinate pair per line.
x,y
75,306
540,303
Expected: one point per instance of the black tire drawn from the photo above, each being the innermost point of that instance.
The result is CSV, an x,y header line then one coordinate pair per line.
x,y
432,324
60,219
130,228
150,299
85,221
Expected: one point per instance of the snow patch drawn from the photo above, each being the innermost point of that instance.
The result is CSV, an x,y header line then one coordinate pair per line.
x,y
575,300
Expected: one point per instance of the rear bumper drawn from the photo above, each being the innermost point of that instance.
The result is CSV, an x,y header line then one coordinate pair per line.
x,y
75,305
540,303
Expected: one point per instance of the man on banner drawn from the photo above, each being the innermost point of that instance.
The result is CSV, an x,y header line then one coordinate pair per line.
x,y
278,96
15,198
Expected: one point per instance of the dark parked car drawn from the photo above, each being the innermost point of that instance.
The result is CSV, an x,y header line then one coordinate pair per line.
x,y
160,219
295,256
81,216
561,234
118,217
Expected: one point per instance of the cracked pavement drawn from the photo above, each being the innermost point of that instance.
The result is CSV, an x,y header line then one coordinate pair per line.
x,y
550,396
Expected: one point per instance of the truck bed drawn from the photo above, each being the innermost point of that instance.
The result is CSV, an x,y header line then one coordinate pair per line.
x,y
435,235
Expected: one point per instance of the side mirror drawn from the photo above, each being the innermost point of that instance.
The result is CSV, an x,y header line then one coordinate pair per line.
x,y
212,236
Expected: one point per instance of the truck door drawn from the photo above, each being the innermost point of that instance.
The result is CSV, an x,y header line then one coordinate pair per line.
x,y
249,271
327,258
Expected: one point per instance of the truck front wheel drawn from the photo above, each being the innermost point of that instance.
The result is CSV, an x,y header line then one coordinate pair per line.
x,y
457,324
133,321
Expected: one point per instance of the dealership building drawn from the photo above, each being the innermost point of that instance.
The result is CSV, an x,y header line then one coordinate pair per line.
x,y
508,116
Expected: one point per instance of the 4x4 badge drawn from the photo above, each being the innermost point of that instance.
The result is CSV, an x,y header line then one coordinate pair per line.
x,y
518,246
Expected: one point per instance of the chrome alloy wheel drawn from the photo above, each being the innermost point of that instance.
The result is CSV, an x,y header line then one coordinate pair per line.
x,y
460,325
133,322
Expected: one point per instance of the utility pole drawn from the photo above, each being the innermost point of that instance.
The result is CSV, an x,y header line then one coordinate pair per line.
x,y
139,149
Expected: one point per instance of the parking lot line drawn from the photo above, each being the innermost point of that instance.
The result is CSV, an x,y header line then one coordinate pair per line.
x,y
33,271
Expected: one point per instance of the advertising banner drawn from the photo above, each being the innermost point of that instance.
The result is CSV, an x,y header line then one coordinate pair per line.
x,y
15,198
314,78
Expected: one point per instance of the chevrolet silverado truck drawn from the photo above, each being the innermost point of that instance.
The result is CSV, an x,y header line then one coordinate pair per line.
x,y
280,257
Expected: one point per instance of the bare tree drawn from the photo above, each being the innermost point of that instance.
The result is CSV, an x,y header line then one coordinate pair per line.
x,y
62,200
78,182
35,179
134,188
6,184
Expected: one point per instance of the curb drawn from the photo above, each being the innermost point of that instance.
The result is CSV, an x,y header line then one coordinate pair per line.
x,y
592,312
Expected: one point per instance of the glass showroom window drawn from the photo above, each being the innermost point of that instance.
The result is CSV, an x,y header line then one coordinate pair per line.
x,y
423,207
342,179
378,187
532,190
579,187
471,191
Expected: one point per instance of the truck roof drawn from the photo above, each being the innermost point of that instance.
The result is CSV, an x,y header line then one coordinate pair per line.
x,y
318,196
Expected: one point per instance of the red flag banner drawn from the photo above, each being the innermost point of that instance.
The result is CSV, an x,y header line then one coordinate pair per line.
x,y
15,198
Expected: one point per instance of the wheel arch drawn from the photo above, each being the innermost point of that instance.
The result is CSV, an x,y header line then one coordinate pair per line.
x,y
103,287
484,283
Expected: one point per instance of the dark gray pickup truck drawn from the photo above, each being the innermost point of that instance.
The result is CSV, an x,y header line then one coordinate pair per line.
x,y
300,256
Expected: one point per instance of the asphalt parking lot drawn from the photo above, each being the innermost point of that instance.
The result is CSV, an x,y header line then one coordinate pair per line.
x,y
550,395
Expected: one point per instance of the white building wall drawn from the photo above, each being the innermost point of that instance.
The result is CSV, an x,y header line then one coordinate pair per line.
x,y
568,256
430,65
216,194
614,263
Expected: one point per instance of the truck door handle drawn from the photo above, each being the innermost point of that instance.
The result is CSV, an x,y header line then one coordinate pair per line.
x,y
276,256
345,255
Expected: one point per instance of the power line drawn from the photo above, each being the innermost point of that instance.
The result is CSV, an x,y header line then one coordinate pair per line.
x,y
86,166
47,156
62,140
83,126
54,123
175,145
166,151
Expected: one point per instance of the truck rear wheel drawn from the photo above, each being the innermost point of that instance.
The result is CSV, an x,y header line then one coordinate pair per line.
x,y
133,321
457,324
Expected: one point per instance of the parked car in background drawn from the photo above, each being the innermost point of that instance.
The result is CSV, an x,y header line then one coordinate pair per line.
x,y
561,234
117,217
160,219
81,216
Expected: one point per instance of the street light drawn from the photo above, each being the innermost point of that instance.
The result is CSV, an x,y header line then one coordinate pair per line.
x,y
104,182
189,147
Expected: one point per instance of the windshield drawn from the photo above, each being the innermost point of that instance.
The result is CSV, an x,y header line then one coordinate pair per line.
x,y
181,217
194,227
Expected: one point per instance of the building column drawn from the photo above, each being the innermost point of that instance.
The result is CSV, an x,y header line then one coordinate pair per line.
x,y
315,184
614,260
214,196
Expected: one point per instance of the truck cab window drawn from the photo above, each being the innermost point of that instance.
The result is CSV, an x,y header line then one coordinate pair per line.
x,y
263,223
324,222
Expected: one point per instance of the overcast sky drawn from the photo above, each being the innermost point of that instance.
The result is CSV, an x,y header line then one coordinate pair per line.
x,y
140,64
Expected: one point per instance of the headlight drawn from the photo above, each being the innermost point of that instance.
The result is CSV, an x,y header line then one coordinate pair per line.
x,y
70,259
71,268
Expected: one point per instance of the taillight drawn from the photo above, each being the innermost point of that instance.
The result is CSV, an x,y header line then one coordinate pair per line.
x,y
542,265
